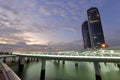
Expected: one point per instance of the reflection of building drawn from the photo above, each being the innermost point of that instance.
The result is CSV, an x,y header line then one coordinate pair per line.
x,y
86,36
95,28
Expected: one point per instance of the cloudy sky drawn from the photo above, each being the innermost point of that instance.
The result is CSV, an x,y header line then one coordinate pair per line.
x,y
54,21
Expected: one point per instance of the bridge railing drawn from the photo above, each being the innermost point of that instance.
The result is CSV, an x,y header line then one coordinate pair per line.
x,y
9,74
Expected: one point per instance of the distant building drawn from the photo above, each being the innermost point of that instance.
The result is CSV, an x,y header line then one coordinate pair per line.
x,y
86,36
95,28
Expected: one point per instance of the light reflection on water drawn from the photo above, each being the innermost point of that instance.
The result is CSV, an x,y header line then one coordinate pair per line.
x,y
68,71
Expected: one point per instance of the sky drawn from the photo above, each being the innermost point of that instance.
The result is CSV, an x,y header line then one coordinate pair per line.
x,y
44,22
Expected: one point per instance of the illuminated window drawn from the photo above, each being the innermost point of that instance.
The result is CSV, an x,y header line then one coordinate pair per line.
x,y
97,15
93,21
94,37
89,16
98,43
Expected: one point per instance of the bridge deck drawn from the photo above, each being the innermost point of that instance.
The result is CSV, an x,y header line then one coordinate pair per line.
x,y
90,56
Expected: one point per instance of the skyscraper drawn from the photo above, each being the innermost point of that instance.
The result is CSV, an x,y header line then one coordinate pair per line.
x,y
95,28
86,36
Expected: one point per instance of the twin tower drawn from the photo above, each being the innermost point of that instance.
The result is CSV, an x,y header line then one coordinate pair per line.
x,y
93,36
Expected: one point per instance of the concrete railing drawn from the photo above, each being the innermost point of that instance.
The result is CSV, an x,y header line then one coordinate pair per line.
x,y
9,74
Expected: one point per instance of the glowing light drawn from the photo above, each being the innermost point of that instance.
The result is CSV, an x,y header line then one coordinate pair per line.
x,y
93,21
104,45
7,41
34,38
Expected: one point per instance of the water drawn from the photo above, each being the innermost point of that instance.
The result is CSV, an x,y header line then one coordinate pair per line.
x,y
68,71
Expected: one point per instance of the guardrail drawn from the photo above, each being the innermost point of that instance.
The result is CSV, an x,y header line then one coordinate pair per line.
x,y
5,56
9,74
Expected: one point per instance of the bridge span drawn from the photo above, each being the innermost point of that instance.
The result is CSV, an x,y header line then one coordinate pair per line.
x,y
90,56
94,56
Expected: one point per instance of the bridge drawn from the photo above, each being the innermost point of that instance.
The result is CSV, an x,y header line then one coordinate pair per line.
x,y
90,56
94,56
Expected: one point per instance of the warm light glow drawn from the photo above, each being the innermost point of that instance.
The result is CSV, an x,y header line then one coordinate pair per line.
x,y
7,41
31,41
93,21
34,38
3,42
104,45
97,15
37,42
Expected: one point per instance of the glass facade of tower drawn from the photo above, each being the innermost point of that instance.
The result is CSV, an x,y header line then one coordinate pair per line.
x,y
95,28
86,36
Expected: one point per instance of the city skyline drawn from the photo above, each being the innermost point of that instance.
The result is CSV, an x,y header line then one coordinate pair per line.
x,y
54,22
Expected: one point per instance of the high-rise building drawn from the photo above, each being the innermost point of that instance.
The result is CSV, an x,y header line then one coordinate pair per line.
x,y
95,28
86,36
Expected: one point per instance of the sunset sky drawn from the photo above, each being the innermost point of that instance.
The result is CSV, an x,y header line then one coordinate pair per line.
x,y
54,21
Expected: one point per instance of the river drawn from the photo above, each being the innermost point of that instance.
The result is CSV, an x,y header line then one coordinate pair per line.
x,y
68,71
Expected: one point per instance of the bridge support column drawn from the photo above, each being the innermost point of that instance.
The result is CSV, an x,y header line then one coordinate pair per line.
x,y
37,59
13,59
105,63
32,59
76,64
4,59
58,61
97,71
28,60
42,76
118,65
63,62
21,63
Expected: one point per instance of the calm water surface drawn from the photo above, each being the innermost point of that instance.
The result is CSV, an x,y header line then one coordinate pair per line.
x,y
68,71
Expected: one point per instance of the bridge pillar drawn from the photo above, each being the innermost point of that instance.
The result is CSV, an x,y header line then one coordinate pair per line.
x,y
76,64
4,59
63,62
97,71
21,63
32,59
58,61
37,59
118,65
42,76
28,60
13,59
105,63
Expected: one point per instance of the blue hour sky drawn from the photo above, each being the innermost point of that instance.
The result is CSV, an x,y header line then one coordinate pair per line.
x,y
54,21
